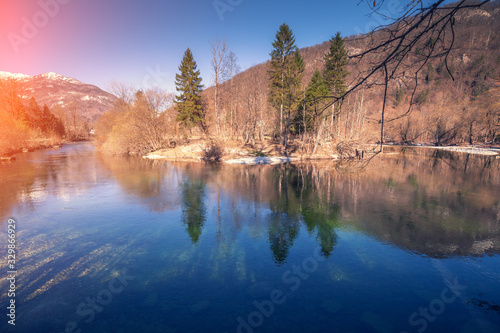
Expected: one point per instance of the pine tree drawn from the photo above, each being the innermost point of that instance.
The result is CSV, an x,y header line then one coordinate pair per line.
x,y
188,83
336,61
34,114
50,123
286,68
335,73
313,103
294,92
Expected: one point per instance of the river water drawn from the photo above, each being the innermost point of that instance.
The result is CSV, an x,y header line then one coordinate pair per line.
x,y
409,242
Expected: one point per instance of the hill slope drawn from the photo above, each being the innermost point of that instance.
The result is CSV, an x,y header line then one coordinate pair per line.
x,y
444,110
56,90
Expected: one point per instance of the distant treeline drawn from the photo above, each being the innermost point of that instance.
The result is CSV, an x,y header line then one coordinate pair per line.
x,y
26,125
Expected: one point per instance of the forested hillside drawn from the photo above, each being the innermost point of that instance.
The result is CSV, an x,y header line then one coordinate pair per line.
x,y
457,103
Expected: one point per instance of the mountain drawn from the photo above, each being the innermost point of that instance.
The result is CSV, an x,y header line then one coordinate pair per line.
x,y
58,91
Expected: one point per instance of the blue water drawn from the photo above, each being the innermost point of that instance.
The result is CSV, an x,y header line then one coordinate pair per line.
x,y
409,242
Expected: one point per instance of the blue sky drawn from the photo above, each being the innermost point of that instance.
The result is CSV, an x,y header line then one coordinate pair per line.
x,y
142,42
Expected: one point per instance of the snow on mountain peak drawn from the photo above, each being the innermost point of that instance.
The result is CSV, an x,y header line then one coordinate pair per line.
x,y
7,75
51,75
55,76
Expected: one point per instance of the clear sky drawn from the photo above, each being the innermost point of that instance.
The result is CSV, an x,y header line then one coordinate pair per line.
x,y
142,42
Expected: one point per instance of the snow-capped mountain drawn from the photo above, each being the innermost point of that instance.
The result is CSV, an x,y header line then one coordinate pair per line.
x,y
57,90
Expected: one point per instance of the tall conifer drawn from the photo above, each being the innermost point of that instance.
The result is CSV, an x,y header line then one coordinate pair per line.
x,y
188,84
285,74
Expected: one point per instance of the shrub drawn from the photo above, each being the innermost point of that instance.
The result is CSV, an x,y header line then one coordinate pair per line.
x,y
399,95
13,134
213,152
423,96
259,153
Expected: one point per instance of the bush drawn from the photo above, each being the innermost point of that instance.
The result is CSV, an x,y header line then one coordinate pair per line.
x,y
399,95
213,152
259,153
13,134
423,96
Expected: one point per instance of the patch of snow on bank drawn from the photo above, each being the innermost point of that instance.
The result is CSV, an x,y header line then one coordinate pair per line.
x,y
260,160
154,157
471,150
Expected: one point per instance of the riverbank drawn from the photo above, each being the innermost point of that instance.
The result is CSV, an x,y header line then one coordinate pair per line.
x,y
267,152
9,154
491,151
486,150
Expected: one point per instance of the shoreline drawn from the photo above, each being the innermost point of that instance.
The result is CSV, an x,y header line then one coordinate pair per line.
x,y
486,151
46,144
243,156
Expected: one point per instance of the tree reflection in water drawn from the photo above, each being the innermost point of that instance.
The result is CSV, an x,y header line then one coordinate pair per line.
x,y
193,208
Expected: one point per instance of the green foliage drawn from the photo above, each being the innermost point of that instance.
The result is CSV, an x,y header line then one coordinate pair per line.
x,y
477,63
335,71
412,180
431,73
285,74
188,84
312,104
258,153
479,89
281,64
193,208
399,95
423,96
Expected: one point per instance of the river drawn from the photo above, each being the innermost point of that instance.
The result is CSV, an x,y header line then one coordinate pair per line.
x,y
407,242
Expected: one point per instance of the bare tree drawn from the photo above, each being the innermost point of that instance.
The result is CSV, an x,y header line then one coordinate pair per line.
x,y
233,69
390,49
220,63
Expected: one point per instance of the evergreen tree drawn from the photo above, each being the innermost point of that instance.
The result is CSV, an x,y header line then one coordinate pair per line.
x,y
34,114
296,73
188,83
286,68
313,103
50,123
336,61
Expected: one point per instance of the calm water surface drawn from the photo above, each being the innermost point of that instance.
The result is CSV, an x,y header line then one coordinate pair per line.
x,y
408,243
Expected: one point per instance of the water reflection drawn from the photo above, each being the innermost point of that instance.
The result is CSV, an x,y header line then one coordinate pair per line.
x,y
193,208
87,218
429,201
